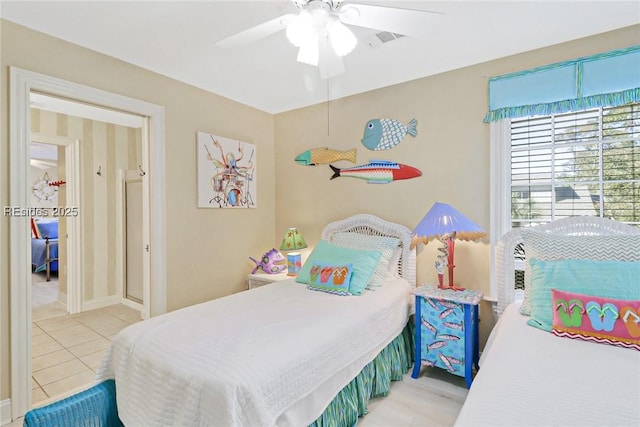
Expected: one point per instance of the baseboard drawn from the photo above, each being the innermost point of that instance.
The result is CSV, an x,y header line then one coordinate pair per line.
x,y
5,412
132,304
100,303
62,298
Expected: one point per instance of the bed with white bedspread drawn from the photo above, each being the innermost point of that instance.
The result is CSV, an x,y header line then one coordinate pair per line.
x,y
531,377
276,355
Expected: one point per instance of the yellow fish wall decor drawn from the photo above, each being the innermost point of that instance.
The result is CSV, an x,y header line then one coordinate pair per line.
x,y
324,156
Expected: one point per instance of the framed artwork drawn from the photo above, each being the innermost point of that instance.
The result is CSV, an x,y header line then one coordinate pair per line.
x,y
226,172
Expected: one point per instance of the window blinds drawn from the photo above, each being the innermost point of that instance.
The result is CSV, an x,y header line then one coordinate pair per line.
x,y
579,163
607,79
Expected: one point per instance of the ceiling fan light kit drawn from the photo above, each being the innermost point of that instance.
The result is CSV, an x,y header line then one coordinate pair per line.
x,y
315,22
321,36
301,29
309,53
341,38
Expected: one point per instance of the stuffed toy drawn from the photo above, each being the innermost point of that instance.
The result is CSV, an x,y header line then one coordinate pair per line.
x,y
272,262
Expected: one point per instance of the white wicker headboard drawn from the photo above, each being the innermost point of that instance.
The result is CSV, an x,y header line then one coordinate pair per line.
x,y
374,226
573,226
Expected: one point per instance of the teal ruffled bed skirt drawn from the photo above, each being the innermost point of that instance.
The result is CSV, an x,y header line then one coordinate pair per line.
x,y
373,381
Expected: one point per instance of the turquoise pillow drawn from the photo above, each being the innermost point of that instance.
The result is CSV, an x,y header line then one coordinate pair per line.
x,y
331,278
364,264
606,279
385,244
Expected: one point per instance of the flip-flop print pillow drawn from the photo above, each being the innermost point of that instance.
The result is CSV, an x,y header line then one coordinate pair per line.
x,y
596,319
332,278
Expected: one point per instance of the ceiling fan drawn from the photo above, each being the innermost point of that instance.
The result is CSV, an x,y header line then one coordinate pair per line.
x,y
320,33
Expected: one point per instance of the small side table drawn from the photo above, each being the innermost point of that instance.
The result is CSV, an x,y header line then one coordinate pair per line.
x,y
260,279
446,334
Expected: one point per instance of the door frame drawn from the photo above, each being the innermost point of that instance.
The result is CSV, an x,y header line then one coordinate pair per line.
x,y
21,84
74,227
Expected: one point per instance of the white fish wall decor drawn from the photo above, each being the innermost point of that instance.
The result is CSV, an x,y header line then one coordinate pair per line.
x,y
384,134
378,172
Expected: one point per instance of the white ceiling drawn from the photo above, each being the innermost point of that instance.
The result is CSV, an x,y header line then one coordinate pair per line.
x,y
86,111
177,39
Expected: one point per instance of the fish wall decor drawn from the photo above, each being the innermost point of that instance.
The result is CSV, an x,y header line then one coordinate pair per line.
x,y
378,172
324,156
383,134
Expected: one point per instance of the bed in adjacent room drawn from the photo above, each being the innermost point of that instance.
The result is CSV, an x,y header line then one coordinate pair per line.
x,y
286,354
44,245
572,358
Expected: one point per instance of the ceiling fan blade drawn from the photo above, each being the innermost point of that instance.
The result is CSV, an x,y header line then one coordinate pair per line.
x,y
256,33
409,22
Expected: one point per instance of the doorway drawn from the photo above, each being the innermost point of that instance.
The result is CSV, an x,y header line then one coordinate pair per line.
x,y
66,180
66,350
22,84
48,176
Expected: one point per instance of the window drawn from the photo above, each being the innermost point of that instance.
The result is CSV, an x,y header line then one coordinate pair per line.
x,y
576,163
565,141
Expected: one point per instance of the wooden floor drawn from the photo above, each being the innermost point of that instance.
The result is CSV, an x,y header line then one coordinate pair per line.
x,y
434,399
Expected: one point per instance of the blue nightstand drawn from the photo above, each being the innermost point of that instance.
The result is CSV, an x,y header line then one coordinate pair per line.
x,y
447,330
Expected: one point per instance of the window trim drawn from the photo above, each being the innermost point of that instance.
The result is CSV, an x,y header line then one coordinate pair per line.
x,y
499,182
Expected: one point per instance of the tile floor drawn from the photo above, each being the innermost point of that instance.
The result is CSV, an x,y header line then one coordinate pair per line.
x,y
67,350
46,298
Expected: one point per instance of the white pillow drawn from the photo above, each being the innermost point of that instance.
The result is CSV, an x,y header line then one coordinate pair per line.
x,y
389,246
545,246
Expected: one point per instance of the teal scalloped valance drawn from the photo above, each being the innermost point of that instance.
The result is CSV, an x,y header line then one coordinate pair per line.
x,y
606,79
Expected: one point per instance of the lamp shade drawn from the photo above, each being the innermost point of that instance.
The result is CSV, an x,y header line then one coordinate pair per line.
x,y
445,219
309,53
342,39
292,240
301,29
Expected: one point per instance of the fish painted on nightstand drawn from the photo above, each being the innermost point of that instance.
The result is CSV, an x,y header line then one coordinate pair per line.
x,y
324,156
383,134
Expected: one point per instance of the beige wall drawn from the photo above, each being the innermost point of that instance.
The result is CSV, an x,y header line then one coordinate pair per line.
x,y
451,149
205,259
109,148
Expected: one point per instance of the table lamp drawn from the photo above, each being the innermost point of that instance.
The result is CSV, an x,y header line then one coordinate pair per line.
x,y
292,241
446,224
